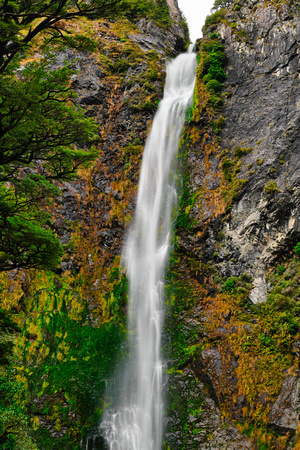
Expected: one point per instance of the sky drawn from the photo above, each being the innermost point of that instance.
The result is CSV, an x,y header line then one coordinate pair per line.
x,y
195,12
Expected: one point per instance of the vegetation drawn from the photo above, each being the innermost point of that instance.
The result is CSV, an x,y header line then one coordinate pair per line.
x,y
213,19
22,21
40,125
70,326
271,187
156,10
42,128
222,4
14,421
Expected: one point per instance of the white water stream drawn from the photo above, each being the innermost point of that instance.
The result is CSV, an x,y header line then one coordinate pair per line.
x,y
136,423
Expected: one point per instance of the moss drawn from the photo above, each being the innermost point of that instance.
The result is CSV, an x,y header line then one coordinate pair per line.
x,y
262,337
271,188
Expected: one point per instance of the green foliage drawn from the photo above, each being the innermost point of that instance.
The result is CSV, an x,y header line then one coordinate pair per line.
x,y
241,151
14,422
280,269
271,187
239,287
212,66
230,168
66,361
8,330
186,200
218,125
27,244
121,66
236,8
76,41
215,102
281,312
40,125
227,165
229,284
214,86
212,73
297,248
21,22
213,19
222,4
156,10
117,298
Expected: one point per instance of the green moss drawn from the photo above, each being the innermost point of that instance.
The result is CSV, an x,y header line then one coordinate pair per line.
x,y
214,86
271,188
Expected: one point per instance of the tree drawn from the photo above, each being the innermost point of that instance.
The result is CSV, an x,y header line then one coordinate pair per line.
x,y
39,126
22,20
218,4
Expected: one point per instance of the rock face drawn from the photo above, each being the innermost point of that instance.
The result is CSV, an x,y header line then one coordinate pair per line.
x,y
232,356
119,84
263,113
242,234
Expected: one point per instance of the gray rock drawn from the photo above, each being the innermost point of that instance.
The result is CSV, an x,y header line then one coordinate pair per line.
x,y
285,411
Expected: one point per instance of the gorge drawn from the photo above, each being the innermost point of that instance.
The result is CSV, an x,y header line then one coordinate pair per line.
x,y
231,335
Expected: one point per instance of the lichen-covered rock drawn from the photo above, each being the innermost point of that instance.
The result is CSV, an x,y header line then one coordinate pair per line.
x,y
244,176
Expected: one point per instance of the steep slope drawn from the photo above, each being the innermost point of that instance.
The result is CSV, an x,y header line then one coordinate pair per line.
x,y
240,307
73,321
232,329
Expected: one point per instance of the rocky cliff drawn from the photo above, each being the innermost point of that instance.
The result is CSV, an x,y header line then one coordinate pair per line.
x,y
72,322
238,244
232,338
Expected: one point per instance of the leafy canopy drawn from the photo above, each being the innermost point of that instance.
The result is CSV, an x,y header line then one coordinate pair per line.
x,y
22,20
39,126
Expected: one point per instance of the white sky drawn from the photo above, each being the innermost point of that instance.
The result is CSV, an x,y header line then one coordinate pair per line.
x,y
195,12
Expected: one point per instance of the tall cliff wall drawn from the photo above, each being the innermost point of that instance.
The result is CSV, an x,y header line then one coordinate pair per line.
x,y
72,322
240,310
232,327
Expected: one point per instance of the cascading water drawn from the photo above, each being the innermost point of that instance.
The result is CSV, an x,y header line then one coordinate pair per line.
x,y
136,422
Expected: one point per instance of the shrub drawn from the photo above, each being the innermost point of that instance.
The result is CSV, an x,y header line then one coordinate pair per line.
x,y
213,45
280,270
297,248
241,151
121,65
227,164
222,4
271,187
237,8
229,284
218,125
214,86
213,19
215,102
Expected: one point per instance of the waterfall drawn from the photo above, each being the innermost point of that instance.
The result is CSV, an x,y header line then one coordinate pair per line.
x,y
136,422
